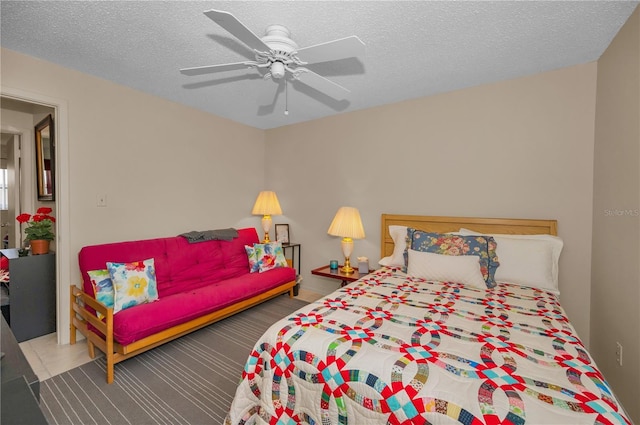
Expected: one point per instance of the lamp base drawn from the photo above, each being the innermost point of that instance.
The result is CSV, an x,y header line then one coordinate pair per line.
x,y
346,268
347,249
266,225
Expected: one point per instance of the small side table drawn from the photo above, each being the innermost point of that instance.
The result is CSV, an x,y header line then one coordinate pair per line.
x,y
293,247
325,271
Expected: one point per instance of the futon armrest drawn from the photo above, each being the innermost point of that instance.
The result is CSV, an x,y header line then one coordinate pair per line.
x,y
79,302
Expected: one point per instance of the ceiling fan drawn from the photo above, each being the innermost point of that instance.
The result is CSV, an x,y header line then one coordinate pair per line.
x,y
278,57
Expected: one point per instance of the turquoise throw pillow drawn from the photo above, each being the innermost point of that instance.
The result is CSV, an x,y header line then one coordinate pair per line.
x,y
102,287
254,267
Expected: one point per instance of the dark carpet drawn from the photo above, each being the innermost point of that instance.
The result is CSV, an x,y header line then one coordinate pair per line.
x,y
190,380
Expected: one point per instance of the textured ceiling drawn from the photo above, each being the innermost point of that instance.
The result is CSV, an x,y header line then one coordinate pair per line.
x,y
413,49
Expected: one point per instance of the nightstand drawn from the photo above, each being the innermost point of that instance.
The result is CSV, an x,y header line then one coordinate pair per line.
x,y
325,271
294,247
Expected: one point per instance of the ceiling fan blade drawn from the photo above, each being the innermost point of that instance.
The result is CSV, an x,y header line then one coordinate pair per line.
x,y
199,70
321,84
332,50
236,28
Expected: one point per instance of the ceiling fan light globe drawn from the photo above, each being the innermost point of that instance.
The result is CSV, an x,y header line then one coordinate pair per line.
x,y
277,70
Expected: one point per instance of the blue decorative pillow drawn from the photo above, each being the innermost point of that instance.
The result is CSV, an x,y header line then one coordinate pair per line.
x,y
133,283
102,287
254,267
449,244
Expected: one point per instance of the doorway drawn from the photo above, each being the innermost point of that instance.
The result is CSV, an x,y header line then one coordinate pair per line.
x,y
21,111
19,119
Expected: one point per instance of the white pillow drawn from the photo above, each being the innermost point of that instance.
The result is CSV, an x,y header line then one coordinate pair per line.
x,y
463,269
529,260
399,236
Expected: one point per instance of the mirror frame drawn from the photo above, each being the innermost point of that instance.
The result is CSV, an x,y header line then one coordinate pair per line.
x,y
46,192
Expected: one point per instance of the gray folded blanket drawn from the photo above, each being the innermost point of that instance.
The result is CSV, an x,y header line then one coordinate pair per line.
x,y
209,235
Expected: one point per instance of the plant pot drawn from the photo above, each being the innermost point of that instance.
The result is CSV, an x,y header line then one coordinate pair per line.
x,y
39,246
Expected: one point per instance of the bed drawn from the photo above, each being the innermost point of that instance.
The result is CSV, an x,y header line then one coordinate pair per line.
x,y
400,347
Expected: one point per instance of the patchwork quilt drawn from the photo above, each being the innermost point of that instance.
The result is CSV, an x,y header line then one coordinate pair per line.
x,y
395,349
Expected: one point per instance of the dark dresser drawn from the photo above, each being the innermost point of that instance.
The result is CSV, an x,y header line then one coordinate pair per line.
x,y
31,308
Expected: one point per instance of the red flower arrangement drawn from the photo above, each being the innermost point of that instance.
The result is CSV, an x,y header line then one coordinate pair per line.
x,y
39,226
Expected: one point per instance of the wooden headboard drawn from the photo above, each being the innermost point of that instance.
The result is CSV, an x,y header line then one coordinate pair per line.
x,y
453,224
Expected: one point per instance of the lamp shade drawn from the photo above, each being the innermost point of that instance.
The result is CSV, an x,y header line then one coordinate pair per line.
x,y
347,223
267,204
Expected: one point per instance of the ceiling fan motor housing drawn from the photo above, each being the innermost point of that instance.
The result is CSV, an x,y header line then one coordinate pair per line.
x,y
282,47
277,38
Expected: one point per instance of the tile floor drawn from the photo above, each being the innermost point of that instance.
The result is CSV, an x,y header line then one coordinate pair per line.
x,y
48,359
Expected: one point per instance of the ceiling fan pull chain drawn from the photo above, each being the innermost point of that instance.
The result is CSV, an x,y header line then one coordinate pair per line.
x,y
286,97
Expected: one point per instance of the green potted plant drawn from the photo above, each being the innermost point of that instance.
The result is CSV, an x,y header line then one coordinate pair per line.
x,y
39,229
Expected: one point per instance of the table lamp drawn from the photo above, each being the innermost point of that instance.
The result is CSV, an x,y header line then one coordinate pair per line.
x,y
266,205
348,225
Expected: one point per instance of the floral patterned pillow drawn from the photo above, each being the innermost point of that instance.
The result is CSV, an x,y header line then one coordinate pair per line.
x,y
254,267
450,244
134,283
265,256
102,287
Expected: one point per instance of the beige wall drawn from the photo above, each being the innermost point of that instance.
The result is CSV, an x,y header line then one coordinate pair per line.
x,y
521,148
165,168
615,286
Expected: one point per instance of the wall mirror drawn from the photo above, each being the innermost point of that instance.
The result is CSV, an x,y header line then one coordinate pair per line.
x,y
45,159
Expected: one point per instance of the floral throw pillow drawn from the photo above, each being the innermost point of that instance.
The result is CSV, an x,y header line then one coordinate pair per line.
x,y
450,244
102,287
254,267
265,256
134,283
